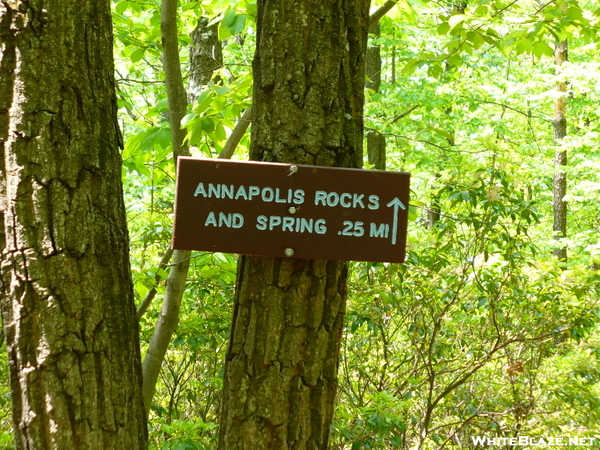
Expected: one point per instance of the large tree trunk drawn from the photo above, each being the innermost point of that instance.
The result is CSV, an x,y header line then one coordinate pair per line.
x,y
65,283
281,366
560,155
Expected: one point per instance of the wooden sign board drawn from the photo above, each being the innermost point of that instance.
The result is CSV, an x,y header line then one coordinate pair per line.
x,y
293,211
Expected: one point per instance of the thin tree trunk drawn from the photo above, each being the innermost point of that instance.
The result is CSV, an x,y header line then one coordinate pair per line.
x,y
560,155
145,303
376,150
281,365
175,283
65,283
177,100
166,324
375,141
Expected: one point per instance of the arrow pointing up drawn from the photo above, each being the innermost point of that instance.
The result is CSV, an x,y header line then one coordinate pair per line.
x,y
397,204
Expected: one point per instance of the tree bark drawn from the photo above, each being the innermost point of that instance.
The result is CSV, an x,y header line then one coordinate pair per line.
x,y
375,140
281,366
376,150
560,156
206,55
65,283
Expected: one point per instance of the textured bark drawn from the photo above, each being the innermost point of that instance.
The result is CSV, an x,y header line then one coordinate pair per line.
x,y
281,371
177,100
560,155
376,150
206,54
66,292
433,212
281,366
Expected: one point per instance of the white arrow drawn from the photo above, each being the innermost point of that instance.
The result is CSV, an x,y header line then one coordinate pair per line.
x,y
396,203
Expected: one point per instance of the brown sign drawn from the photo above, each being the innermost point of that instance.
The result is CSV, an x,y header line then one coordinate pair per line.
x,y
286,210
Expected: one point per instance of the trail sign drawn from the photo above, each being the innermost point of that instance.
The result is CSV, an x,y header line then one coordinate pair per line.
x,y
287,210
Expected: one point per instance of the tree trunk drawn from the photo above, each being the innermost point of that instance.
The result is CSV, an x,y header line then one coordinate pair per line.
x,y
375,140
281,366
560,155
65,282
206,55
376,150
177,98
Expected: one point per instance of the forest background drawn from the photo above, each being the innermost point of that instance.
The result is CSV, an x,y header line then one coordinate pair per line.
x,y
490,328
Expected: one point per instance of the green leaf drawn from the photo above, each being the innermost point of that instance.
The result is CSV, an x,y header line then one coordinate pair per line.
x,y
524,46
231,24
137,55
220,132
435,70
541,48
207,124
121,7
411,66
204,100
251,7
475,38
195,135
443,28
456,20
187,119
162,104
455,61
574,12
163,138
407,11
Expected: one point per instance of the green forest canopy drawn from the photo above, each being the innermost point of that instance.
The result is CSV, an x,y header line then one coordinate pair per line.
x,y
482,332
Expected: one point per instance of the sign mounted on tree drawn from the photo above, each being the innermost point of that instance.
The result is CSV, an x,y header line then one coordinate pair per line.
x,y
287,210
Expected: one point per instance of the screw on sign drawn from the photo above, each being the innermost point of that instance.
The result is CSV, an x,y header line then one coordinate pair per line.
x,y
292,211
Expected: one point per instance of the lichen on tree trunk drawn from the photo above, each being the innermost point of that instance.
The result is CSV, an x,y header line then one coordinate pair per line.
x,y
65,284
206,55
281,365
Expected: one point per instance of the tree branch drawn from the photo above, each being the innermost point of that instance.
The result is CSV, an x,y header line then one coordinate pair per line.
x,y
404,114
236,135
164,262
377,15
